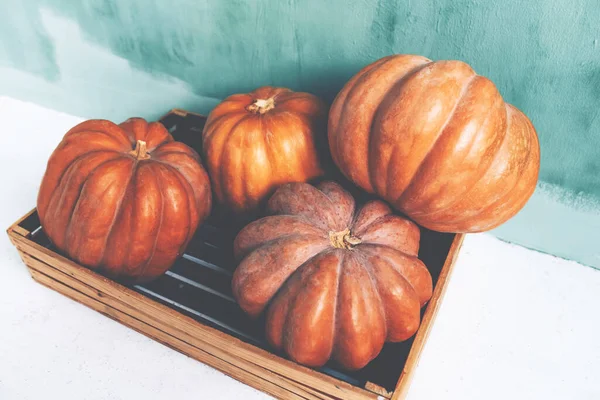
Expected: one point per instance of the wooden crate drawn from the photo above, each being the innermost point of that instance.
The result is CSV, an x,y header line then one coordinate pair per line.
x,y
191,308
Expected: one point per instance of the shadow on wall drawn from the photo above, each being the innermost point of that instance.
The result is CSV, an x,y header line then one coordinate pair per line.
x,y
142,57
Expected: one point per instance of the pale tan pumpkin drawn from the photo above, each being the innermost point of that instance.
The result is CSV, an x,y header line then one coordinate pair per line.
x,y
336,281
435,140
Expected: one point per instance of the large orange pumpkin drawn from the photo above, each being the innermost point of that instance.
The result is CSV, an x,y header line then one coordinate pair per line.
x,y
437,141
123,199
257,141
336,280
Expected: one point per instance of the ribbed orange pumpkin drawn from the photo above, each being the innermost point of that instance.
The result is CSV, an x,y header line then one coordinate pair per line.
x,y
257,141
437,141
123,199
337,281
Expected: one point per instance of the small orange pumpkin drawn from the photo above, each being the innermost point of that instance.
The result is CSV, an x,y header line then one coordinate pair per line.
x,y
257,141
435,140
123,199
336,280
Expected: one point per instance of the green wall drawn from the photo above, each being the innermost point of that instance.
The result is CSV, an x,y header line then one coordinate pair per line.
x,y
115,59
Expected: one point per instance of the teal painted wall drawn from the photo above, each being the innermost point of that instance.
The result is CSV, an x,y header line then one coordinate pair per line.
x,y
114,59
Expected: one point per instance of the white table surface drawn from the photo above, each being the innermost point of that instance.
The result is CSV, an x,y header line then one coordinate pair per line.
x,y
515,324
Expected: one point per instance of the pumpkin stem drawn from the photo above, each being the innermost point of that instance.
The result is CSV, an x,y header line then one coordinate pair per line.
x,y
343,239
140,152
261,106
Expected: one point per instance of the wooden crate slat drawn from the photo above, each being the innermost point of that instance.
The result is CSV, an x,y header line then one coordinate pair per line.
x,y
423,333
37,266
170,341
16,228
187,326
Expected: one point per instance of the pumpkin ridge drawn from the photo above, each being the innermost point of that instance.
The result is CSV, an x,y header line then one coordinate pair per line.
x,y
76,139
247,230
51,212
368,267
195,158
298,96
244,171
340,99
349,222
292,270
167,153
375,221
348,99
301,280
64,171
220,176
343,109
359,213
211,127
78,129
400,87
313,221
398,83
76,202
474,183
96,131
409,285
338,303
79,157
153,127
268,151
451,115
162,214
460,219
133,215
523,166
190,192
305,127
130,187
118,209
276,91
168,139
282,237
390,262
329,211
374,254
282,98
285,339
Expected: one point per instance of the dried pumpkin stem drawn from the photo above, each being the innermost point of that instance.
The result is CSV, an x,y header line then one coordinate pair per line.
x,y
140,152
261,106
343,239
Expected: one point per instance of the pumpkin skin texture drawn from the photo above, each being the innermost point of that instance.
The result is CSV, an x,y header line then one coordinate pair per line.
x,y
255,142
123,199
335,281
435,140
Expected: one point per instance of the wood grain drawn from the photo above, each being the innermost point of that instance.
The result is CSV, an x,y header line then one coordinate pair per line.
x,y
15,228
40,267
210,339
181,346
432,309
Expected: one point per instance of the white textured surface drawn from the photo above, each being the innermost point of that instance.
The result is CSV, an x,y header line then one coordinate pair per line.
x,y
515,324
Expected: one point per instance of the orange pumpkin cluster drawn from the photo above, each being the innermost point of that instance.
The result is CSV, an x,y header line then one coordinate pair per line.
x,y
336,279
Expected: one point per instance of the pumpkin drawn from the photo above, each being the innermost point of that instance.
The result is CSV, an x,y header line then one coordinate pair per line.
x,y
255,142
336,280
123,199
435,140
